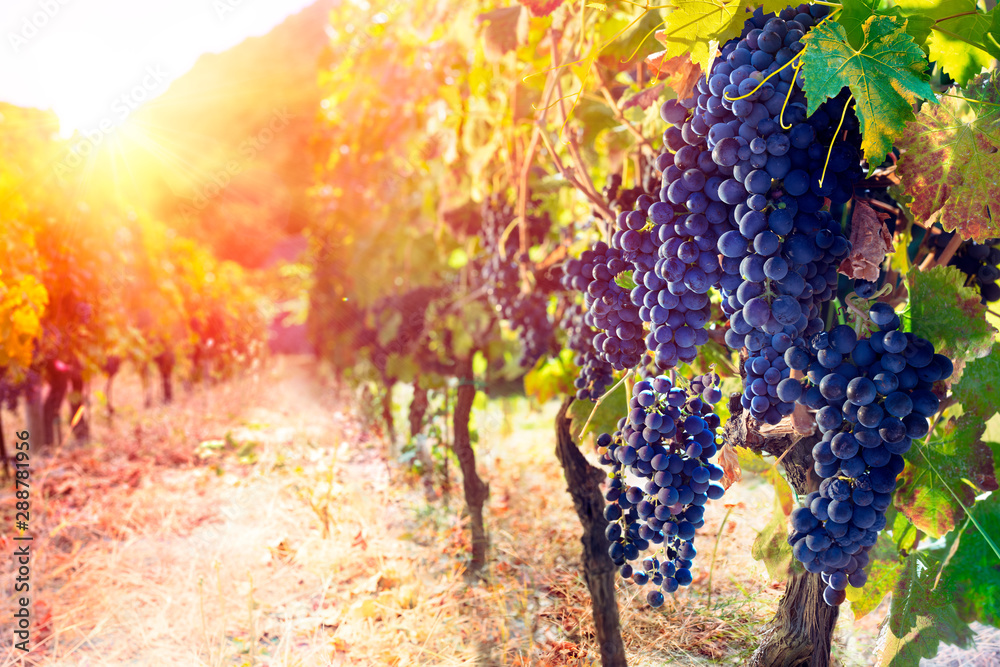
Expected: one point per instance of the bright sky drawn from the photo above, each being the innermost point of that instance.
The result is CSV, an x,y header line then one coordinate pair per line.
x,y
80,57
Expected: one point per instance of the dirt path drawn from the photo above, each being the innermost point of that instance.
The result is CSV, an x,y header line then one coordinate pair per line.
x,y
225,549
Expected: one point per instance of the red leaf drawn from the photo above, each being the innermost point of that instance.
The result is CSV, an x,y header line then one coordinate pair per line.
x,y
644,99
679,72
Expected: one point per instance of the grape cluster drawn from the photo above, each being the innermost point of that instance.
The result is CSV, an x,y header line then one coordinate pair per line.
x,y
671,295
664,445
531,317
623,199
11,389
527,313
684,226
596,375
979,261
873,397
754,164
9,394
609,305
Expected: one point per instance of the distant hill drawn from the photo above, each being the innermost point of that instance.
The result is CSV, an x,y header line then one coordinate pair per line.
x,y
223,154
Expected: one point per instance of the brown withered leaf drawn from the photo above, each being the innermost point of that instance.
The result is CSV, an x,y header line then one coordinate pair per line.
x,y
730,462
870,242
679,73
645,98
803,423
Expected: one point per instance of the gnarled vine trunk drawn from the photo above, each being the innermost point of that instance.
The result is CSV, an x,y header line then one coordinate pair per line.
x,y
599,572
3,448
801,632
58,388
418,408
77,400
34,412
476,491
390,425
165,364
111,368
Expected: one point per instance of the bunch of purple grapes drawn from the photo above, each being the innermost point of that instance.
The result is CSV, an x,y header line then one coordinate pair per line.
x,y
609,305
661,479
527,313
873,397
749,160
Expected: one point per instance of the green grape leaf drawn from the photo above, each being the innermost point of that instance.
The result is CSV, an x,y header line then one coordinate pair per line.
x,y
402,367
973,572
991,436
695,23
957,38
904,533
625,280
884,571
771,545
606,416
991,38
949,314
886,75
950,160
552,377
856,12
921,616
942,476
854,15
635,43
979,386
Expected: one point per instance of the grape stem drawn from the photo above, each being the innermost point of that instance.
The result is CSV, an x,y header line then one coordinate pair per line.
x,y
862,321
967,99
620,117
581,169
590,192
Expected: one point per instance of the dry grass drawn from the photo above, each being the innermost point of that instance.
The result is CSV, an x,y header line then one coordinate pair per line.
x,y
256,523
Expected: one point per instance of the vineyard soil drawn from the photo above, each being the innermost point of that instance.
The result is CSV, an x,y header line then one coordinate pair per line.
x,y
194,534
